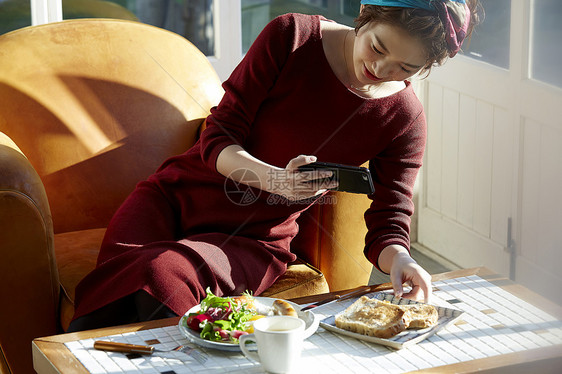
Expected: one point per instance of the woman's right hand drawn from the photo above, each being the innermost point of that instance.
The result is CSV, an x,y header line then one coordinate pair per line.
x,y
294,184
403,269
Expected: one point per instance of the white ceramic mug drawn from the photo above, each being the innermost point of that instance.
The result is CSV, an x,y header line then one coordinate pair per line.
x,y
279,340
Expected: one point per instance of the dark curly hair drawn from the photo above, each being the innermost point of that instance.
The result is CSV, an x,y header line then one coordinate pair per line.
x,y
420,23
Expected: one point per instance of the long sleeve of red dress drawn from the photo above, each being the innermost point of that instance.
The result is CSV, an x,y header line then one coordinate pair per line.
x,y
249,85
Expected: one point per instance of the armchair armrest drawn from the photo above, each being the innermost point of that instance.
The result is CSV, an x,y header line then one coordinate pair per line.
x,y
29,285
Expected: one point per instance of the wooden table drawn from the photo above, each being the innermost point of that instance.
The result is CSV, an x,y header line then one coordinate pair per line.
x,y
50,355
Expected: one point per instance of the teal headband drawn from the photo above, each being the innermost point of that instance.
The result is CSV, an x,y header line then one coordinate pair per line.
x,y
454,14
421,4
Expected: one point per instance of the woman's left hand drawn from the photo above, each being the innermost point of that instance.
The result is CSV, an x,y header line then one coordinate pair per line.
x,y
405,270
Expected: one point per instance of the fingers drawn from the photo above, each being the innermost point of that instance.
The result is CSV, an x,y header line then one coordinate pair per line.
x,y
420,291
310,181
406,270
396,280
425,287
423,283
317,180
416,294
299,161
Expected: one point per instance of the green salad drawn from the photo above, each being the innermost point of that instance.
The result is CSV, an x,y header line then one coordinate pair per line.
x,y
223,319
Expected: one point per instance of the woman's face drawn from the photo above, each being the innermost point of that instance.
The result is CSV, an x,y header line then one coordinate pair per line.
x,y
385,53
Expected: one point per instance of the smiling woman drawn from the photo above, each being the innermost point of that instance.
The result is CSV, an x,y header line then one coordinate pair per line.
x,y
303,81
395,35
383,53
422,24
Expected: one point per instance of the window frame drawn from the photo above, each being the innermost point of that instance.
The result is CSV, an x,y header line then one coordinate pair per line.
x,y
45,11
228,33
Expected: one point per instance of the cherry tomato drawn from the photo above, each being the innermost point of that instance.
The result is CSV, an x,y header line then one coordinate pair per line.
x,y
195,320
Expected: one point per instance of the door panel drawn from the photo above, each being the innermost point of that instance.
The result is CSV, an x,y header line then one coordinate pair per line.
x,y
483,167
502,175
468,173
541,240
434,150
540,256
450,139
467,155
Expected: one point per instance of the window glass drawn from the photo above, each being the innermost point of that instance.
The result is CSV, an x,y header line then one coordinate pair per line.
x,y
14,14
490,40
192,19
546,45
256,14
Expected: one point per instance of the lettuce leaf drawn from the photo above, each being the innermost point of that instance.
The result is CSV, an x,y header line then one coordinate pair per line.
x,y
236,317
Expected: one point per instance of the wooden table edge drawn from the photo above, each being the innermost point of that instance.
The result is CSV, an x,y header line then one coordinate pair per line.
x,y
49,356
52,349
508,363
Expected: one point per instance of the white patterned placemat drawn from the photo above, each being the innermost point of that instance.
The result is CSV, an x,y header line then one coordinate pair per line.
x,y
494,322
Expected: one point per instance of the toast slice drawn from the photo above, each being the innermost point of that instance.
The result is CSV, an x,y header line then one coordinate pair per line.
x,y
421,315
374,318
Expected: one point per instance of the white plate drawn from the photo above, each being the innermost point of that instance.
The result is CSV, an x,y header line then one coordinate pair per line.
x,y
310,319
447,316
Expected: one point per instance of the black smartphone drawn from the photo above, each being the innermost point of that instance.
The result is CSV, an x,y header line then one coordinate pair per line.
x,y
354,179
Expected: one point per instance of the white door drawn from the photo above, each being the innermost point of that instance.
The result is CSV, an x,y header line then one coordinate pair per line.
x,y
492,178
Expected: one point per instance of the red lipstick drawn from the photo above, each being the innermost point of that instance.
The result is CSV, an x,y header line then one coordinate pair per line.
x,y
369,75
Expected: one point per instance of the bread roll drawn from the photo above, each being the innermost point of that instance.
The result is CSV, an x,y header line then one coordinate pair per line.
x,y
283,308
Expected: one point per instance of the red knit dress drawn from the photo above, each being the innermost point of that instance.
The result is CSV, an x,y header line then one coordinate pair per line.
x,y
188,227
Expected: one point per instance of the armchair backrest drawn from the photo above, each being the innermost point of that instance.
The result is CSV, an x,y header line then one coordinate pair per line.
x,y
97,105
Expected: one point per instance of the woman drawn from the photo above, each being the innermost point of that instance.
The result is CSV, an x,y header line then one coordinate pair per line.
x,y
308,89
